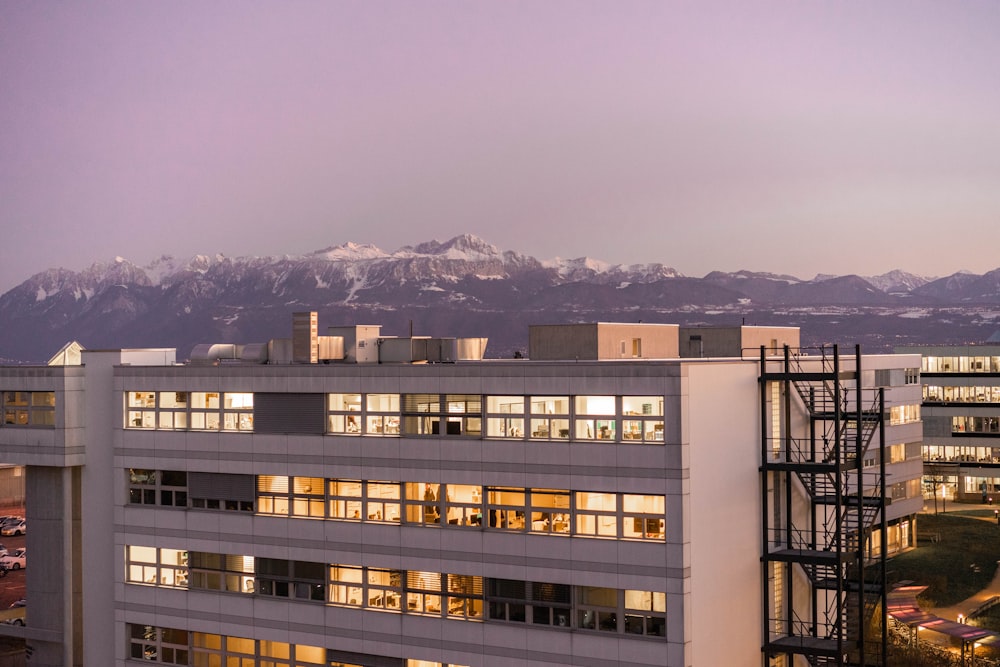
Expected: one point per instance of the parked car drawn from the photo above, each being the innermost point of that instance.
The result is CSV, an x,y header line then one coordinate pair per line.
x,y
15,560
23,602
19,528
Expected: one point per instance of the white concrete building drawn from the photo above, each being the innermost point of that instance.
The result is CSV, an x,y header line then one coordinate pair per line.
x,y
358,499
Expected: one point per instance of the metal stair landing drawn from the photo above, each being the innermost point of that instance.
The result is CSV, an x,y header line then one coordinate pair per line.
x,y
820,507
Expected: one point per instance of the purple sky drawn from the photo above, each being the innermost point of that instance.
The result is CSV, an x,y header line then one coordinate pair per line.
x,y
795,137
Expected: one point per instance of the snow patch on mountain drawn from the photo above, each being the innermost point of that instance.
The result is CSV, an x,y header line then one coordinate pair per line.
x,y
351,252
897,281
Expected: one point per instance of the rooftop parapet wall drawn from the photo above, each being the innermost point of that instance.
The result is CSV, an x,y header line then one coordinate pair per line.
x,y
602,341
736,341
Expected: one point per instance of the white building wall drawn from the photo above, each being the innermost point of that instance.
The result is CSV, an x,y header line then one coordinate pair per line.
x,y
722,438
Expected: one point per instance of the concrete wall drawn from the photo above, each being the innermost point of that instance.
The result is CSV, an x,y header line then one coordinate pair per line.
x,y
721,438
736,341
562,341
601,340
52,582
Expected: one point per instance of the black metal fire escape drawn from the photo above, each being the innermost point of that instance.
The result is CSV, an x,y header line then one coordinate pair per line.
x,y
823,496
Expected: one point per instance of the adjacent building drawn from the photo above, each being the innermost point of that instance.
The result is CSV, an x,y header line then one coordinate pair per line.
x,y
630,494
961,415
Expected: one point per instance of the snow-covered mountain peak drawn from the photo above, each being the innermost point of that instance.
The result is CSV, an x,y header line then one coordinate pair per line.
x,y
897,281
582,268
567,267
351,251
464,247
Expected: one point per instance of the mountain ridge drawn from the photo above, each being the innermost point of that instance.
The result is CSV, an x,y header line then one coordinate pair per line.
x,y
461,286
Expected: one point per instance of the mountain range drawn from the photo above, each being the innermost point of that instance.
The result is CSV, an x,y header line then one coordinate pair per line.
x,y
467,287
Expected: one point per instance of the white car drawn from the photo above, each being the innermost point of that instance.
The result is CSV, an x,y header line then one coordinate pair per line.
x,y
19,528
23,602
15,560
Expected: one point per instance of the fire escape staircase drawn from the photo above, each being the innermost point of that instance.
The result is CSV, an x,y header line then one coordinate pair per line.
x,y
846,502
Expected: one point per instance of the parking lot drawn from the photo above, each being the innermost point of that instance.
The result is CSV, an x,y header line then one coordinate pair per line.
x,y
12,586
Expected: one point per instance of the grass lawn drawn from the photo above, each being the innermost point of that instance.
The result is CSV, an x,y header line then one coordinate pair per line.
x,y
960,565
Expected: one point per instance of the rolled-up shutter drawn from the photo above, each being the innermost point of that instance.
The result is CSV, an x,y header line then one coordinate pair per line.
x,y
221,486
289,413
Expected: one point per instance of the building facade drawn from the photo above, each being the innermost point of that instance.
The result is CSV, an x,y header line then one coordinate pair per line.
x,y
359,499
961,414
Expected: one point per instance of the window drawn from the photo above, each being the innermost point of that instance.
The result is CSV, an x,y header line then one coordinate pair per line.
x,y
550,604
595,418
597,608
173,412
423,502
141,409
596,514
345,414
162,645
294,579
182,410
358,500
210,650
507,600
549,417
382,501
347,585
221,572
636,347
442,414
384,589
423,593
306,499
157,487
506,508
180,647
529,602
382,414
371,587
643,516
272,494
549,510
237,412
465,596
969,424
646,613
463,505
505,416
642,418
346,499
904,414
158,567
204,411
912,376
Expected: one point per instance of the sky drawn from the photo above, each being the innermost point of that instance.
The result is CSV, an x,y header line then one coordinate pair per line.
x,y
790,137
